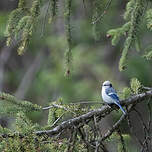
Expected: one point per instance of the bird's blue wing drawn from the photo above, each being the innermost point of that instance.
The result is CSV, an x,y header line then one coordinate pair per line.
x,y
114,96
112,93
116,101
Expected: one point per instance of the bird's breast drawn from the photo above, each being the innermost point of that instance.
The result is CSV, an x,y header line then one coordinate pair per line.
x,y
105,97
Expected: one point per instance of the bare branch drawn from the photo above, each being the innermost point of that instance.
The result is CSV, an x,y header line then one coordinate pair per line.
x,y
147,88
57,106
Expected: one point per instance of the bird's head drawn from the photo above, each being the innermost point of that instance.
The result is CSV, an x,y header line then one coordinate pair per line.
x,y
107,84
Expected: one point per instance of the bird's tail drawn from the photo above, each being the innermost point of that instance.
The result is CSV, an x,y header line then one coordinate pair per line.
x,y
120,108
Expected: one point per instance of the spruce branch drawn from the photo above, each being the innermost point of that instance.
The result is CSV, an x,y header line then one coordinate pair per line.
x,y
104,12
18,105
103,111
136,17
68,54
53,8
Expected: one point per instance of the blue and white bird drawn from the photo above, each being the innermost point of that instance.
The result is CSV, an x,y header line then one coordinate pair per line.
x,y
110,96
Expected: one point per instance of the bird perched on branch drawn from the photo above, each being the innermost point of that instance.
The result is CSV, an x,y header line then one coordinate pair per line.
x,y
110,96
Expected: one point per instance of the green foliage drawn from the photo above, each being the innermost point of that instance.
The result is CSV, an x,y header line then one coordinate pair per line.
x,y
59,145
21,3
117,33
23,124
3,21
136,16
51,116
148,53
68,54
126,138
99,8
21,24
11,105
24,139
53,8
35,9
63,146
135,85
149,19
58,109
27,32
14,18
29,22
4,130
129,9
68,61
126,93
148,56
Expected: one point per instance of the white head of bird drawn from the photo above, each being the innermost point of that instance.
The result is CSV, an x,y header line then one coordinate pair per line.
x,y
106,84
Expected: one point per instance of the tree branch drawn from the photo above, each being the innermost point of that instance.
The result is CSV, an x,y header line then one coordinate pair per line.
x,y
103,111
85,118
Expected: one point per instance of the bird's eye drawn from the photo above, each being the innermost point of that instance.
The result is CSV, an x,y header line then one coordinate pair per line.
x,y
110,85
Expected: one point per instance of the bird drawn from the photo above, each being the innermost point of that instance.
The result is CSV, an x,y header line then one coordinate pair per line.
x,y
110,96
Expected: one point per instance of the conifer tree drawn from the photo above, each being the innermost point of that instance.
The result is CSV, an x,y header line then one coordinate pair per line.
x,y
74,127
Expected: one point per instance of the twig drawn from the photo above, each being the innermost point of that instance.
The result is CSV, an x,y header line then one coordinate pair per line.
x,y
122,140
84,102
104,148
44,21
114,127
147,88
57,106
84,137
87,102
71,142
56,121
150,115
97,146
145,142
149,121
104,12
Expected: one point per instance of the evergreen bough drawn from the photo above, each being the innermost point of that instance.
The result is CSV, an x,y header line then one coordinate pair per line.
x,y
22,21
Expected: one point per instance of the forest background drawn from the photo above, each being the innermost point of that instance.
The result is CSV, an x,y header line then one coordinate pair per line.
x,y
41,73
